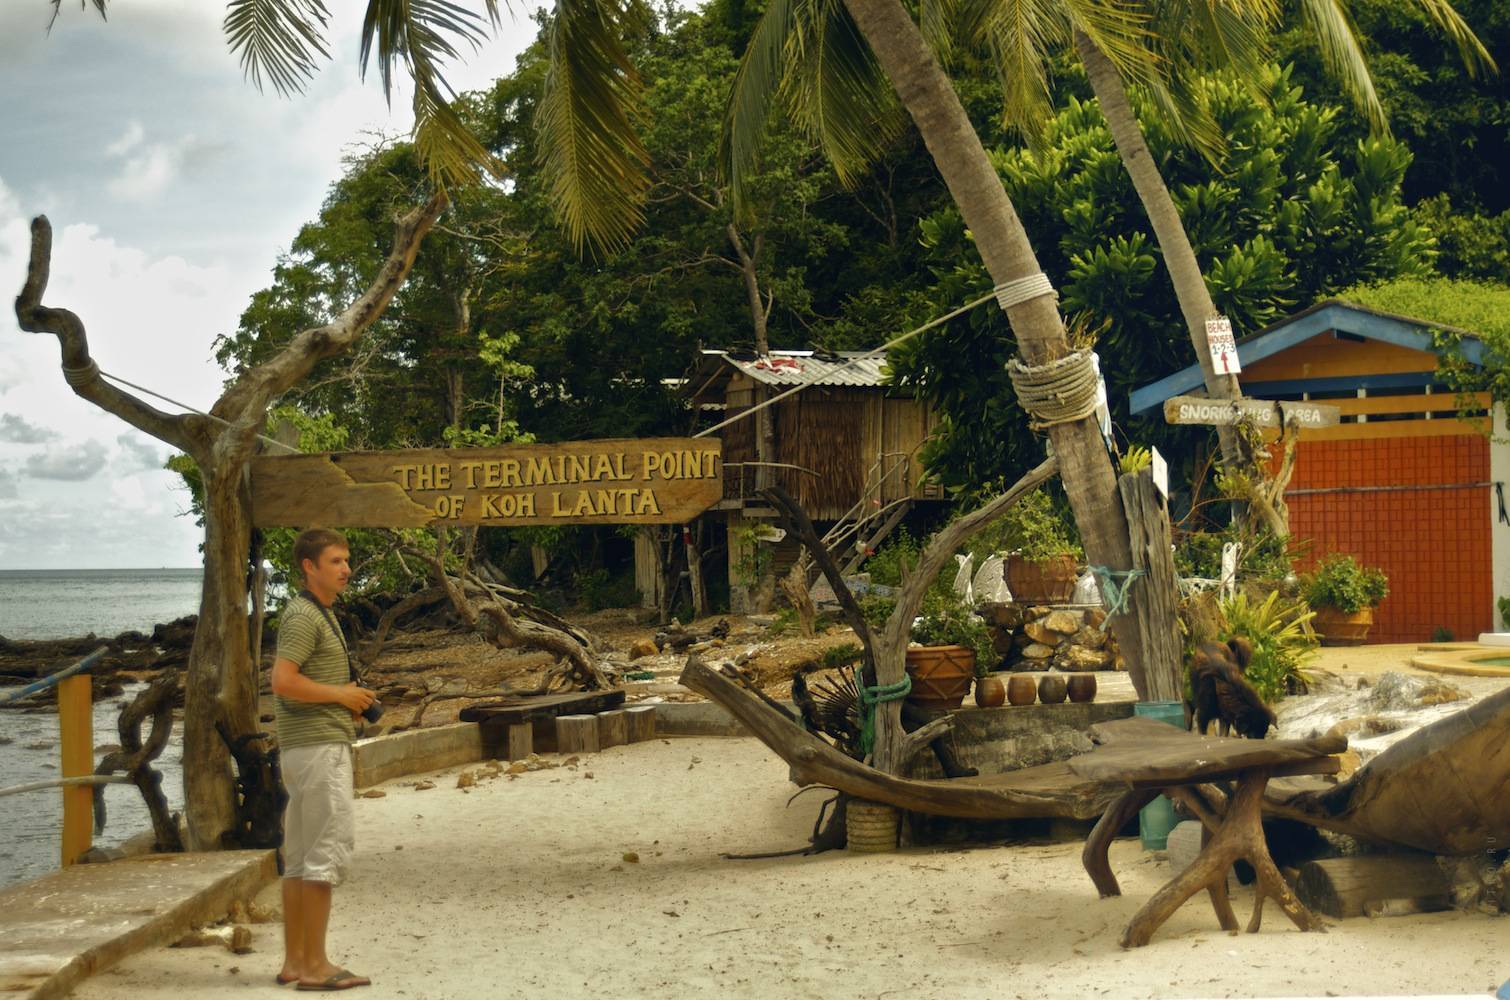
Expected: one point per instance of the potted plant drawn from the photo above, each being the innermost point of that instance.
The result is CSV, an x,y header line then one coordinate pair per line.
x,y
1042,553
1344,594
949,641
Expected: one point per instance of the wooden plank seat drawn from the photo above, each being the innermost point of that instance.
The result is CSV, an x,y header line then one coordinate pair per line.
x,y
515,727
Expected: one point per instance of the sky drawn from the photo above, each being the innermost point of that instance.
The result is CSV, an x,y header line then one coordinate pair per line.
x,y
172,185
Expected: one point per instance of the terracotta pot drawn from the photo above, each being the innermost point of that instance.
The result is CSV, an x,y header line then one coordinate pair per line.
x,y
1082,687
1052,689
989,692
1021,690
1048,581
1337,628
941,675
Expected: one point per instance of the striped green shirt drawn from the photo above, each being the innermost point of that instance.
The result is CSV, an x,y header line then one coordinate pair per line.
x,y
307,636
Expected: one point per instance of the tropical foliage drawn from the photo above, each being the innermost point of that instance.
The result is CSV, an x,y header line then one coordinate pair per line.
x,y
1282,641
1289,218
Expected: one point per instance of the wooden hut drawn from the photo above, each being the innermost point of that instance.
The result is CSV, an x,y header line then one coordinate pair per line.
x,y
846,447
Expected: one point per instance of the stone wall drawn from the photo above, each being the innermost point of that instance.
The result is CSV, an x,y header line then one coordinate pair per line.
x,y
1071,638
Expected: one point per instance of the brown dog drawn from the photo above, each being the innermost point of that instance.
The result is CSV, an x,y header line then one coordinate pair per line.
x,y
1222,692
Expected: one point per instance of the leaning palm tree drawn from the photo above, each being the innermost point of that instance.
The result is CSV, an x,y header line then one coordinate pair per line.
x,y
1190,37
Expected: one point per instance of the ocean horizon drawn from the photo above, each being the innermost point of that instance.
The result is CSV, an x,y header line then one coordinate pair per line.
x,y
64,603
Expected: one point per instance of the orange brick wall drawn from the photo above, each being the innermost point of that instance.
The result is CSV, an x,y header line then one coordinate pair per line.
x,y
1435,545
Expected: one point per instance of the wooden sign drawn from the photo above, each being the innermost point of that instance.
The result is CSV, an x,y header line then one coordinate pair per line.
x,y
631,481
1263,412
1223,346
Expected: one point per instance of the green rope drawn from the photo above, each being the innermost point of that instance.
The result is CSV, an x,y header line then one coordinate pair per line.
x,y
1113,594
870,697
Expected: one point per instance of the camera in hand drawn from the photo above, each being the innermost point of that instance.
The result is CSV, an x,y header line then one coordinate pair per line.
x,y
373,712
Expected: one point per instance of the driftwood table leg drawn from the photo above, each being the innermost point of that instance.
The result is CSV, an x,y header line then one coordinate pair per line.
x,y
1093,855
1240,835
1210,821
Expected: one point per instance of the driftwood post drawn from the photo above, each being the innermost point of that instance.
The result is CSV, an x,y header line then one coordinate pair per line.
x,y
1153,595
221,681
885,653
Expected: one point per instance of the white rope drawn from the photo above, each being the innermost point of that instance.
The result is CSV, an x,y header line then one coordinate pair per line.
x,y
76,377
868,355
1025,289
1059,392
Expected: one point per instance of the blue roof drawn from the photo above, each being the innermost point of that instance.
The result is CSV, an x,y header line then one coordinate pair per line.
x,y
1332,314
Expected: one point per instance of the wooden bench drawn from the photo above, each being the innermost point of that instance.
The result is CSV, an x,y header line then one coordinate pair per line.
x,y
509,726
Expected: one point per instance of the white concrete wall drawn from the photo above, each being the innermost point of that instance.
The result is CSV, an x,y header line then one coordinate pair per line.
x,y
1499,472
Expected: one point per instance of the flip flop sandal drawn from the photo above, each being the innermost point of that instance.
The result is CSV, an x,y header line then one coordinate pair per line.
x,y
341,980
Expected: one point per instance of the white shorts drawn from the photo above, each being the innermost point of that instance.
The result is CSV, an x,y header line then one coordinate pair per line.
x,y
319,829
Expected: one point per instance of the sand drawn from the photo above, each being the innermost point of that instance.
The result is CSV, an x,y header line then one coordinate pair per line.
x,y
519,888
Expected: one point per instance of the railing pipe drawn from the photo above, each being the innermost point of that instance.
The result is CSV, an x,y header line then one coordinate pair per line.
x,y
53,680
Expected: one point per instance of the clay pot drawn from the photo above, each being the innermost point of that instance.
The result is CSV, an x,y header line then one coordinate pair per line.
x,y
989,692
1337,628
1048,581
1082,687
1052,689
941,675
1021,690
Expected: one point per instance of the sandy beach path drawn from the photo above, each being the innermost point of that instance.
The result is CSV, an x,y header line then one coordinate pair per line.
x,y
518,888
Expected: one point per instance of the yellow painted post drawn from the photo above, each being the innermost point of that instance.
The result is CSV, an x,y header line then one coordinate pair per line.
x,y
76,734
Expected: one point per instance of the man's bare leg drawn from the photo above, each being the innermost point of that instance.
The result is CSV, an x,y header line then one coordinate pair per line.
x,y
293,929
317,967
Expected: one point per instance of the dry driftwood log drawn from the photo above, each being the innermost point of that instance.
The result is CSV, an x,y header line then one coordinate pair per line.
x,y
1444,788
1350,886
1051,790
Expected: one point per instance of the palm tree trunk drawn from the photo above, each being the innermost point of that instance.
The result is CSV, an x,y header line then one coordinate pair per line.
x,y
1085,467
1179,257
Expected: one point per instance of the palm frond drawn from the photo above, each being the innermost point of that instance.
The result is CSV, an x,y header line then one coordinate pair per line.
x,y
1475,57
838,92
57,8
939,20
595,163
1119,28
419,33
1020,34
1341,54
276,40
756,84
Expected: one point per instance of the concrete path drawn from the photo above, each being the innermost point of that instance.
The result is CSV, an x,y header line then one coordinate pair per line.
x,y
57,930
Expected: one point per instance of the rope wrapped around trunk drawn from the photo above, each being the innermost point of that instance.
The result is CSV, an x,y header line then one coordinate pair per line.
x,y
1059,392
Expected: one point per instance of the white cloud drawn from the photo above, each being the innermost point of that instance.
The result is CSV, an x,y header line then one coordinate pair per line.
x,y
18,430
67,463
8,489
126,143
139,452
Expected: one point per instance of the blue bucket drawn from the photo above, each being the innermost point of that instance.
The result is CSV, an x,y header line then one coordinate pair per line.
x,y
1157,818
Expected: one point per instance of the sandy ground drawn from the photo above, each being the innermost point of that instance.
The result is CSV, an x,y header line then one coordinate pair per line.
x,y
520,888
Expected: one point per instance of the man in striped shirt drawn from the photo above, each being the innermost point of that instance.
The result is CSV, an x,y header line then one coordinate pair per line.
x,y
317,704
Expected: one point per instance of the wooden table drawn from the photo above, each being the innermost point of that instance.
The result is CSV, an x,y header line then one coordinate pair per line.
x,y
1149,758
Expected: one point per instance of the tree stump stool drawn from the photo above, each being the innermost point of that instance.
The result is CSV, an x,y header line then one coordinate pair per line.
x,y
641,723
577,734
613,729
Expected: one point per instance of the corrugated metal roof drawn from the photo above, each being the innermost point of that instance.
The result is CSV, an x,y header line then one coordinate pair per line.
x,y
793,367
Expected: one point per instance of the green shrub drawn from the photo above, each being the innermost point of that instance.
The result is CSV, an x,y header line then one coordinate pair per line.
x,y
1264,556
945,620
1281,637
1034,527
1340,582
900,551
840,656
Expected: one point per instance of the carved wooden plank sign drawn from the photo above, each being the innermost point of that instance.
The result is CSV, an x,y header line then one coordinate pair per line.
x,y
1263,412
610,481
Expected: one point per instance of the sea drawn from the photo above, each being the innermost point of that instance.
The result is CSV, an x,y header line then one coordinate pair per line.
x,y
57,604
